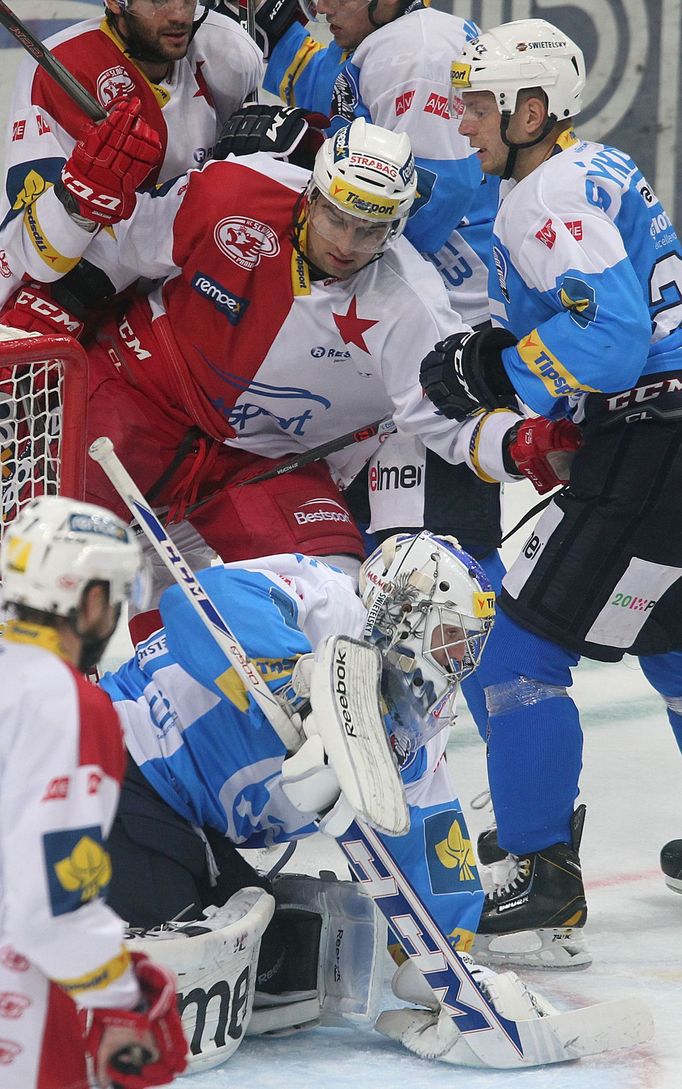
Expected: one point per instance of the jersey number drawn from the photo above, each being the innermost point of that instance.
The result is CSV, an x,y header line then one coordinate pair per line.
x,y
665,293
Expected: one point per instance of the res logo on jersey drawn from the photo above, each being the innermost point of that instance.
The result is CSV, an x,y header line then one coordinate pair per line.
x,y
244,240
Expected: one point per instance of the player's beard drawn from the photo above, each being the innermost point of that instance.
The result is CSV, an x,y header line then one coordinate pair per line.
x,y
145,46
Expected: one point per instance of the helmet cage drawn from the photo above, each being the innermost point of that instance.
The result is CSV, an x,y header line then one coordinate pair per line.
x,y
430,609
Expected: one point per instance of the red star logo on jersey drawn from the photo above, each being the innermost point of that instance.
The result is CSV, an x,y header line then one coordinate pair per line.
x,y
351,327
204,90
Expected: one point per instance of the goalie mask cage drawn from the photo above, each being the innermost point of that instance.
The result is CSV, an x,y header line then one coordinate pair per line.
x,y
43,415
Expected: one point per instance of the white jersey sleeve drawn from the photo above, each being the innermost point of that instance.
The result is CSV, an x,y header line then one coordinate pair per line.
x,y
61,758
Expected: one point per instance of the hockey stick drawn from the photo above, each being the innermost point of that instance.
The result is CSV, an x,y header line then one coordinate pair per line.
x,y
102,451
384,426
47,60
488,1039
247,20
363,759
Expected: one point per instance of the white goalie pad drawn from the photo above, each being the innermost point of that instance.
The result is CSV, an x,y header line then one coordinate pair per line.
x,y
350,958
214,960
345,694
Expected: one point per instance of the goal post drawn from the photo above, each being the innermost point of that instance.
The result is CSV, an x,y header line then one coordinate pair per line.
x,y
43,418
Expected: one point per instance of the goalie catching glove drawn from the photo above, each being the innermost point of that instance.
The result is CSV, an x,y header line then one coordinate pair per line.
x,y
465,373
108,164
277,130
162,1049
542,450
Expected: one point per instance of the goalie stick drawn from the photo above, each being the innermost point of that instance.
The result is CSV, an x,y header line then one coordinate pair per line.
x,y
488,1039
47,60
361,746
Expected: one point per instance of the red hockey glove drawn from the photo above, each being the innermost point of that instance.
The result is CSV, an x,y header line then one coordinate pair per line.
x,y
32,308
108,164
542,450
136,1048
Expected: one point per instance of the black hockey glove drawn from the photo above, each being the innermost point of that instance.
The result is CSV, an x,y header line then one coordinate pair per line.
x,y
279,130
273,19
465,372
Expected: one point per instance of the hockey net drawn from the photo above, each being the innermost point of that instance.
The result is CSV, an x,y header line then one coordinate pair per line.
x,y
43,412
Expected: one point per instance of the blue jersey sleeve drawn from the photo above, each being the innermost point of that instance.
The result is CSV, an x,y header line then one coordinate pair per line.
x,y
302,71
262,615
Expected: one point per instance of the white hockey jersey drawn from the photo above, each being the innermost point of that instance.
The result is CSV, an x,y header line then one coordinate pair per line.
x,y
239,341
61,761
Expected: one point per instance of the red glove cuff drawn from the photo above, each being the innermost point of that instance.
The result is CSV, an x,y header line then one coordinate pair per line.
x,y
543,451
31,308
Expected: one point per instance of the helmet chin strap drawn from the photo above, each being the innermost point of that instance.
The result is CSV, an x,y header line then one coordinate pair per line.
x,y
514,149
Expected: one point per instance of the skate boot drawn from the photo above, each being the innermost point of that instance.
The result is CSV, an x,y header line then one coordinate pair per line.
x,y
671,864
533,919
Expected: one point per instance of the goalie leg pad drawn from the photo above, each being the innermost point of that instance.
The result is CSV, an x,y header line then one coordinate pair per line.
x,y
214,960
335,946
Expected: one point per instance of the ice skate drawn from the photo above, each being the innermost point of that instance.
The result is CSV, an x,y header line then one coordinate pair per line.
x,y
534,919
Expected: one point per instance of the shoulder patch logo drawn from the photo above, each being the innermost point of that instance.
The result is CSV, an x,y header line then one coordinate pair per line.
x,y
244,240
546,234
78,867
113,83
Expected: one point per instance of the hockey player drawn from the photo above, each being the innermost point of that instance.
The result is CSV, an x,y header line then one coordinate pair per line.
x,y
389,62
585,285
289,310
208,772
67,568
190,67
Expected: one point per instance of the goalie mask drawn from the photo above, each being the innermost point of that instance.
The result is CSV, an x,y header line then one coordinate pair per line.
x,y
366,173
430,609
56,546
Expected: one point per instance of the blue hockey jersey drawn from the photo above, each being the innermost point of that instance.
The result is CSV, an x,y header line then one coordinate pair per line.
x,y
587,272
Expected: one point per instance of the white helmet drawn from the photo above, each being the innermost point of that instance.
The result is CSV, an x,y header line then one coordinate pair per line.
x,y
369,172
525,53
56,546
430,608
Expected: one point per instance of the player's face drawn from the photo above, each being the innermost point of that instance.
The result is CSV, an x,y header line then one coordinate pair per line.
x,y
338,243
481,124
162,29
448,645
348,20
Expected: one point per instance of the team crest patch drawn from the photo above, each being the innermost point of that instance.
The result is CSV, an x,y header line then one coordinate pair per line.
x,y
244,240
112,84
78,867
449,855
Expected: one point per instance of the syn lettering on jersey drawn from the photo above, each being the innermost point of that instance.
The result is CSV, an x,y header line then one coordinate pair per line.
x,y
232,306
403,102
57,788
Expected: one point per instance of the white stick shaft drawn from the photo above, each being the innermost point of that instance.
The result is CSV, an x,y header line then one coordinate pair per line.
x,y
102,451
